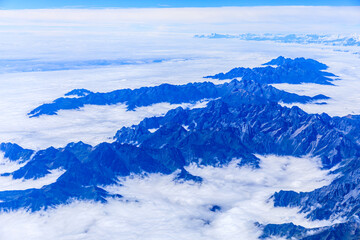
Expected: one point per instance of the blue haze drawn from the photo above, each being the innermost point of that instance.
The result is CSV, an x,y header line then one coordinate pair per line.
x,y
291,38
35,65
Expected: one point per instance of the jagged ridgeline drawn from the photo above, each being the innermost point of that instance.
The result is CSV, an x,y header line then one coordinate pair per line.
x,y
243,119
291,71
286,70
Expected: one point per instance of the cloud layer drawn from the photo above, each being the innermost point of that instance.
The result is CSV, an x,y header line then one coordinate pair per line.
x,y
188,19
155,207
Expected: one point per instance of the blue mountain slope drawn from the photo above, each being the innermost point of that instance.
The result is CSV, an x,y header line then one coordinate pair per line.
x,y
292,71
340,199
286,230
349,230
78,92
174,94
14,152
264,128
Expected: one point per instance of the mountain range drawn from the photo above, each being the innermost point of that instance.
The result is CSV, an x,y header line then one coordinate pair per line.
x,y
253,81
333,40
243,119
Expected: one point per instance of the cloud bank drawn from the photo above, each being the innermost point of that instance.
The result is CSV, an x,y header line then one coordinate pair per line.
x,y
155,207
186,19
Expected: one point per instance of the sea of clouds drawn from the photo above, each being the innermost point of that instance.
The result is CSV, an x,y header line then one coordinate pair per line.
x,y
156,207
35,46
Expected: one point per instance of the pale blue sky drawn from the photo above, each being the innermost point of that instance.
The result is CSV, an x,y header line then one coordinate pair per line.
x,y
33,4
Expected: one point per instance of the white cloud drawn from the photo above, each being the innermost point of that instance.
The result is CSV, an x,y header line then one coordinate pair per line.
x,y
76,33
22,92
167,210
91,124
189,19
344,95
7,165
8,183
